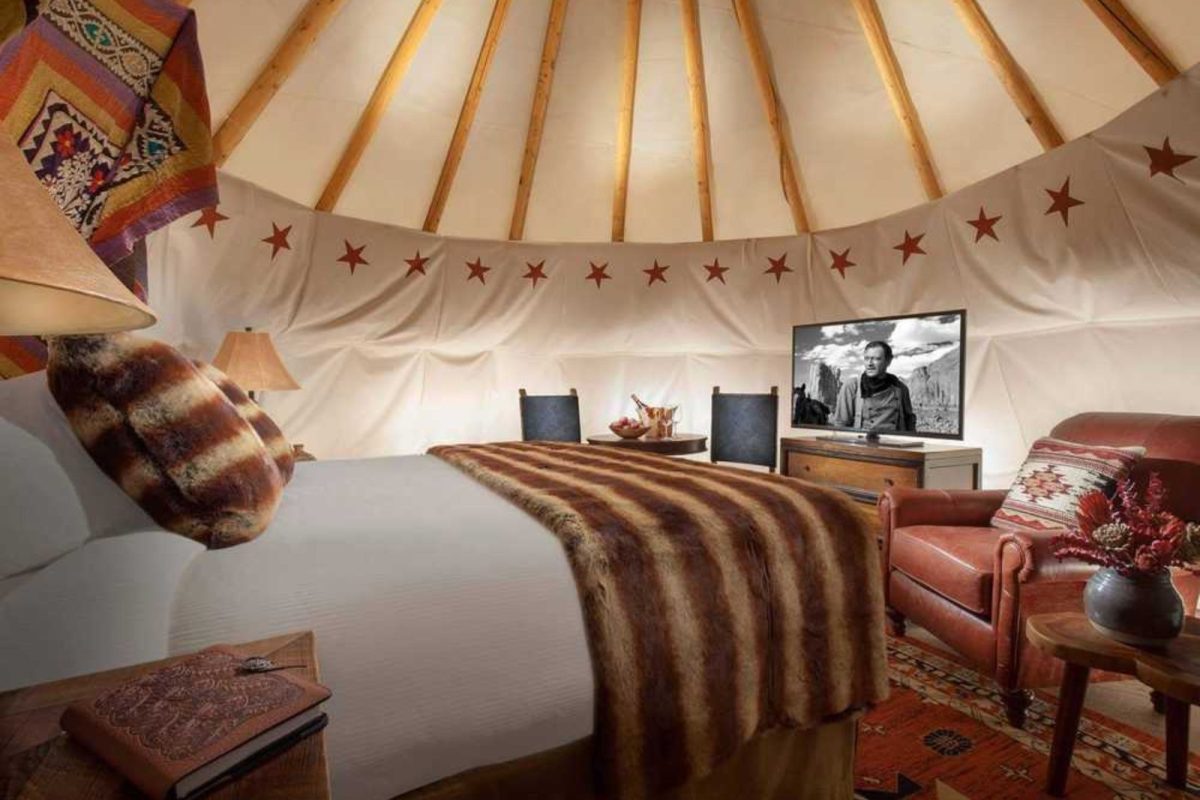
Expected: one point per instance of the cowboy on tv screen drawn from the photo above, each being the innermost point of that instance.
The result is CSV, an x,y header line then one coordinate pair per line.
x,y
893,375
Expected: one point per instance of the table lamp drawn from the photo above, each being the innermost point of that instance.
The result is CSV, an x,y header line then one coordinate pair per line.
x,y
249,358
51,283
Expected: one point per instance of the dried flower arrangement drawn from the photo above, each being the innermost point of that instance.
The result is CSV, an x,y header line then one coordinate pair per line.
x,y
1130,534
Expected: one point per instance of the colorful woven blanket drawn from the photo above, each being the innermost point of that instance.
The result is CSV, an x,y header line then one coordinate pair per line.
x,y
106,99
719,603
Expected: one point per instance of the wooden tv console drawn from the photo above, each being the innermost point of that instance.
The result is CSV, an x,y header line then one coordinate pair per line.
x,y
865,471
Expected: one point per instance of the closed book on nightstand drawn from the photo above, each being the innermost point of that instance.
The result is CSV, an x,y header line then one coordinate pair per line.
x,y
177,731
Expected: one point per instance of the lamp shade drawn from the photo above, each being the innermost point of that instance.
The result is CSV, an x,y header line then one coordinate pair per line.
x,y
51,283
250,359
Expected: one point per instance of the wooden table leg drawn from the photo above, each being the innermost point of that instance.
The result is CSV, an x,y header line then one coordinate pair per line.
x,y
1066,726
1177,742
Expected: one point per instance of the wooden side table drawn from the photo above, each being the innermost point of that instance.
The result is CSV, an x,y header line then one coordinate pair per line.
x,y
38,761
1174,671
681,444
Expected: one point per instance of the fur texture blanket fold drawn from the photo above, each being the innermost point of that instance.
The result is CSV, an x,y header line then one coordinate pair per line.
x,y
718,602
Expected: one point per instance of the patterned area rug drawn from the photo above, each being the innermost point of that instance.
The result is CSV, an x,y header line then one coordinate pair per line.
x,y
942,735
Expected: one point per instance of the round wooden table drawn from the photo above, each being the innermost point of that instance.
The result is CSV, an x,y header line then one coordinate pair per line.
x,y
681,444
1173,671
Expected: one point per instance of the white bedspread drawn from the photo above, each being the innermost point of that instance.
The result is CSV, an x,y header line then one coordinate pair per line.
x,y
447,621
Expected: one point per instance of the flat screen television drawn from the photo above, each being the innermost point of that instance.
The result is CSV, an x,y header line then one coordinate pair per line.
x,y
891,375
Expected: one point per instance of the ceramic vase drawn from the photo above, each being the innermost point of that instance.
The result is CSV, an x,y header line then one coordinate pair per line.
x,y
1141,610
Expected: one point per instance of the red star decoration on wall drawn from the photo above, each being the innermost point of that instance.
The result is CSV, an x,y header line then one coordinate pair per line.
x,y
778,267
716,271
353,256
1062,202
535,273
911,246
278,239
1164,160
416,264
841,262
985,225
656,273
478,270
598,273
209,217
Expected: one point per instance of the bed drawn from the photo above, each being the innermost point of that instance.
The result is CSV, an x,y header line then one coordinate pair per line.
x,y
447,622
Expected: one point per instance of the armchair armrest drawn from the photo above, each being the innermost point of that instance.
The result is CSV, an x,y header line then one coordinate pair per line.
x,y
901,506
1029,556
1029,579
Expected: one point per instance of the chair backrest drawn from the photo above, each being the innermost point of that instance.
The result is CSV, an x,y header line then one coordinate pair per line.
x,y
550,417
745,427
1172,449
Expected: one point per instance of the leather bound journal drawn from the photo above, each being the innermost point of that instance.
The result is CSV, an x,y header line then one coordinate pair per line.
x,y
181,730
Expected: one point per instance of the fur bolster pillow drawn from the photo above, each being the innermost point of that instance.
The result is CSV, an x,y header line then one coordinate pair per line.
x,y
272,438
167,435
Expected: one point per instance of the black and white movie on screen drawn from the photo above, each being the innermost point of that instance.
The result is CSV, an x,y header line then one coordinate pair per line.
x,y
897,375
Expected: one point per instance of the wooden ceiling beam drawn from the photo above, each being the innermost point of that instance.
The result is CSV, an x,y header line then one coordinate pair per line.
x,y
1135,39
1009,73
466,116
629,66
897,89
287,56
372,115
760,59
537,117
693,50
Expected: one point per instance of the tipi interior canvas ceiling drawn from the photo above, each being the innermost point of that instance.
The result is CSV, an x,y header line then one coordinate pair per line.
x,y
851,153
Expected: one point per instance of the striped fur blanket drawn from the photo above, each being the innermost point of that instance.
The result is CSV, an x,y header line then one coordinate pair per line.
x,y
719,603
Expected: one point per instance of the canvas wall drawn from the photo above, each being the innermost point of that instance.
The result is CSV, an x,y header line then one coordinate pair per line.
x,y
1090,301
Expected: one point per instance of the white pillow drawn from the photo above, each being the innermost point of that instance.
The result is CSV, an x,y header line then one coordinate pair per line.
x,y
42,518
26,403
105,605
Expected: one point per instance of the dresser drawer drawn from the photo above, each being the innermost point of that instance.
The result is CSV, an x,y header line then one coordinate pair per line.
x,y
865,471
867,476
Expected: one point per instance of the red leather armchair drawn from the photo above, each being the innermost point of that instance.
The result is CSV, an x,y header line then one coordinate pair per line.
x,y
973,586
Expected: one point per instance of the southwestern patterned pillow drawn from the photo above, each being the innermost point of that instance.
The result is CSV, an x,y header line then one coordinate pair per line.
x,y
1055,475
167,435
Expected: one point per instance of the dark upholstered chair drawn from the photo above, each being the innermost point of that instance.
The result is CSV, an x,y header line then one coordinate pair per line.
x,y
744,428
550,417
973,586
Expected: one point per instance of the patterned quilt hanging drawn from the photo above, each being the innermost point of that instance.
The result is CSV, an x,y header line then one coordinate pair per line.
x,y
106,99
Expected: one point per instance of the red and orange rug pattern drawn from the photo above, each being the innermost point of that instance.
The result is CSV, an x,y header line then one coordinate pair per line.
x,y
943,735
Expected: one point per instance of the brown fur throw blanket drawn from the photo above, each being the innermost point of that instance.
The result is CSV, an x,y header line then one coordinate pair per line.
x,y
719,603
176,437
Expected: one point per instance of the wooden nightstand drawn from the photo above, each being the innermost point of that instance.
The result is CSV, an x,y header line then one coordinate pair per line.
x,y
866,471
38,761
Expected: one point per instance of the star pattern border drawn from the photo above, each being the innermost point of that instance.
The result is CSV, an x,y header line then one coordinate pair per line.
x,y
1162,160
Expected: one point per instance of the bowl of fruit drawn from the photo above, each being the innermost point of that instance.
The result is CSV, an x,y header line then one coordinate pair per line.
x,y
628,428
